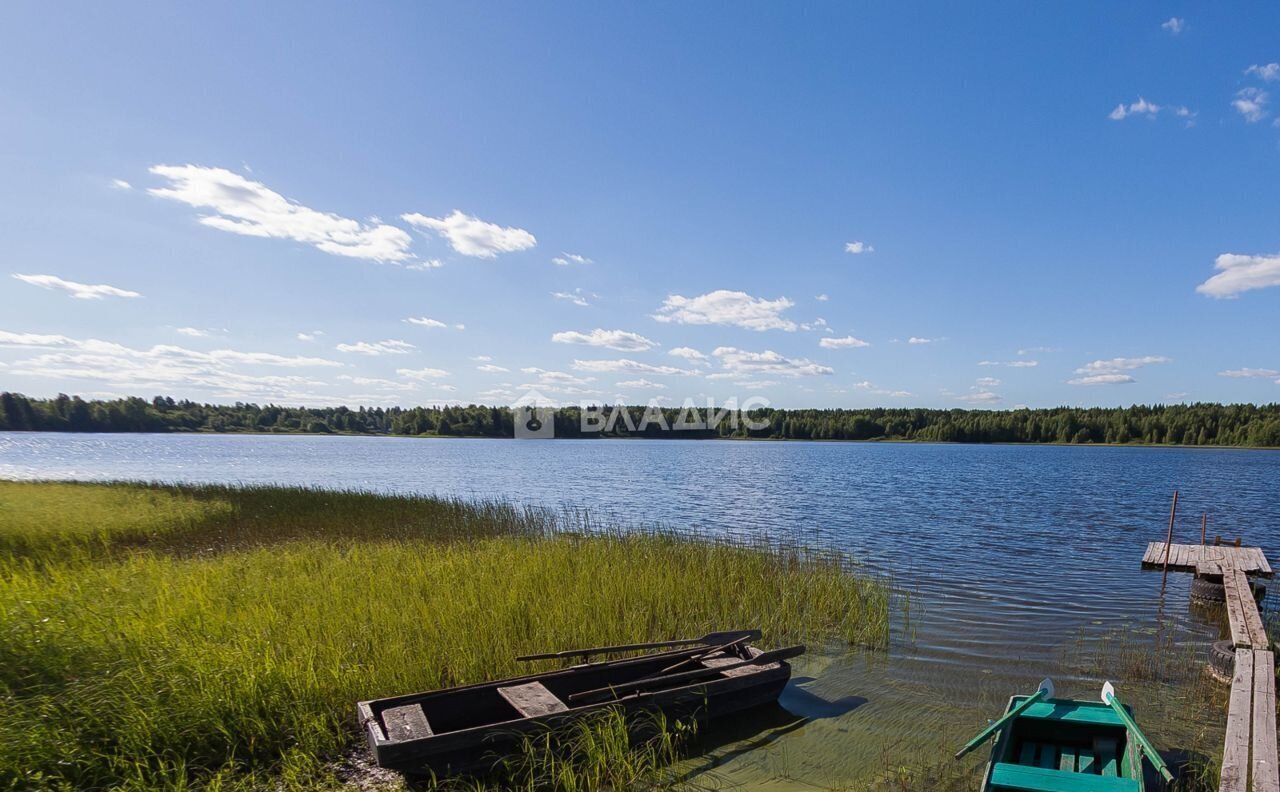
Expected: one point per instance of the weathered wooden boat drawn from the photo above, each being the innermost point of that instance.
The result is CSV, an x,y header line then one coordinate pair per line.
x,y
470,728
1046,744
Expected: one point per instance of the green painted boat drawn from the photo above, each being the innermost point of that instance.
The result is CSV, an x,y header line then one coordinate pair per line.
x,y
1047,744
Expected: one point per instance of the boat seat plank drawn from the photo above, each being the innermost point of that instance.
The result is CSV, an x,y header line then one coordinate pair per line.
x,y
1086,764
1008,777
405,723
716,662
1074,712
1067,759
1235,748
532,700
1105,750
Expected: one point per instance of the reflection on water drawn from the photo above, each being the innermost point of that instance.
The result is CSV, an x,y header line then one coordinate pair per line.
x,y
1016,561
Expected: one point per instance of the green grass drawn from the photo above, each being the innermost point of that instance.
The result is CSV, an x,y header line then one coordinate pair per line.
x,y
218,638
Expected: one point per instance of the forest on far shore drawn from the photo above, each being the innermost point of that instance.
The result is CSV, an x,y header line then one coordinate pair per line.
x,y
1201,424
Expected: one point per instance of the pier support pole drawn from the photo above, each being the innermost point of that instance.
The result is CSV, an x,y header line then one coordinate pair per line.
x,y
1204,523
1168,542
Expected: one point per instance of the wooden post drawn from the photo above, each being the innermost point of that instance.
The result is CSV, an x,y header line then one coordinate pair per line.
x,y
1168,542
1204,523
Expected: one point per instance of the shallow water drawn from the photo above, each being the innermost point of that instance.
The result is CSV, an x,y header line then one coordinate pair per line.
x,y
1018,562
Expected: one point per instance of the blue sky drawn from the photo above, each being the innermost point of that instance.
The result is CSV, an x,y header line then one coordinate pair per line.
x,y
1060,205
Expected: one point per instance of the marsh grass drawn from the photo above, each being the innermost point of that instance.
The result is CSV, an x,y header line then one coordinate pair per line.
x,y
223,644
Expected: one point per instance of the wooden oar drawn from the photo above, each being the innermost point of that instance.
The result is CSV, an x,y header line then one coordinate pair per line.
x,y
628,688
709,639
1109,698
699,656
1044,693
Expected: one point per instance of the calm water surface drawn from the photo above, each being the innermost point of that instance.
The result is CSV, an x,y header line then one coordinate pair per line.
x,y
1016,560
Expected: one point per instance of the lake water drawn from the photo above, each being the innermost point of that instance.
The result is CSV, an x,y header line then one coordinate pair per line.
x,y
1017,560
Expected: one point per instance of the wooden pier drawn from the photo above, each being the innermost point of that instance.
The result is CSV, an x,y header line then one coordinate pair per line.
x,y
1249,761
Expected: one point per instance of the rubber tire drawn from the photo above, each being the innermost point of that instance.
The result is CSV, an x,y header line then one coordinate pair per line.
x,y
1207,591
1222,660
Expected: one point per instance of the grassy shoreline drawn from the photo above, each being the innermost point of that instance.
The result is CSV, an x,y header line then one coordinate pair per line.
x,y
217,637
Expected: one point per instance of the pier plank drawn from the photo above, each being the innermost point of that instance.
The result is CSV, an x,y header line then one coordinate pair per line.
x,y
1235,749
1266,769
1242,611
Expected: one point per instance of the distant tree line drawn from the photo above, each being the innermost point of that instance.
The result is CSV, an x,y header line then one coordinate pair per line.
x,y
1191,424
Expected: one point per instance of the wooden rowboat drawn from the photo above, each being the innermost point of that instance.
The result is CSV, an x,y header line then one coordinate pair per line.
x,y
470,728
1047,744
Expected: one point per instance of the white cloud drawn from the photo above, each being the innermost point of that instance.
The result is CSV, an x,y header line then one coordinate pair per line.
x,y
739,362
373,382
312,336
422,373
611,339
623,364
848,342
870,387
547,378
724,307
80,291
389,347
1251,373
1102,379
423,321
1034,350
822,298
576,297
858,247
1267,72
193,332
121,184
979,396
1241,274
423,265
1110,372
1140,107
242,206
688,353
918,340
565,259
163,367
1011,363
1174,25
1251,103
472,236
987,382
490,368
638,383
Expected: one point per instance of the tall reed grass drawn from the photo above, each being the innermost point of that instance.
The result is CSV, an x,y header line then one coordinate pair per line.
x,y
219,637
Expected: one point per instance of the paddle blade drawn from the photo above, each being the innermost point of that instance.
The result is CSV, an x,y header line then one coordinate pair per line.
x,y
1046,687
1108,692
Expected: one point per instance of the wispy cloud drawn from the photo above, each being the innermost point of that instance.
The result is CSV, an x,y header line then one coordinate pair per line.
x,y
740,362
979,396
80,291
1139,108
565,259
1251,103
870,387
1267,72
471,236
858,248
1174,25
121,184
243,206
192,332
620,340
1252,373
918,340
425,321
822,298
847,342
423,373
639,383
389,347
576,297
1112,372
490,368
625,365
312,336
1010,363
1239,273
688,353
724,307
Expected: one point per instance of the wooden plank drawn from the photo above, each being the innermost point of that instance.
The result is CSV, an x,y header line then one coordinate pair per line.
x,y
1086,761
1028,755
406,723
1235,748
1048,759
1067,759
1266,769
1234,581
1007,776
532,700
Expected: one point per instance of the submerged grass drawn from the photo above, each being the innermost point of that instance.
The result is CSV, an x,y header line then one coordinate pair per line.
x,y
218,637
